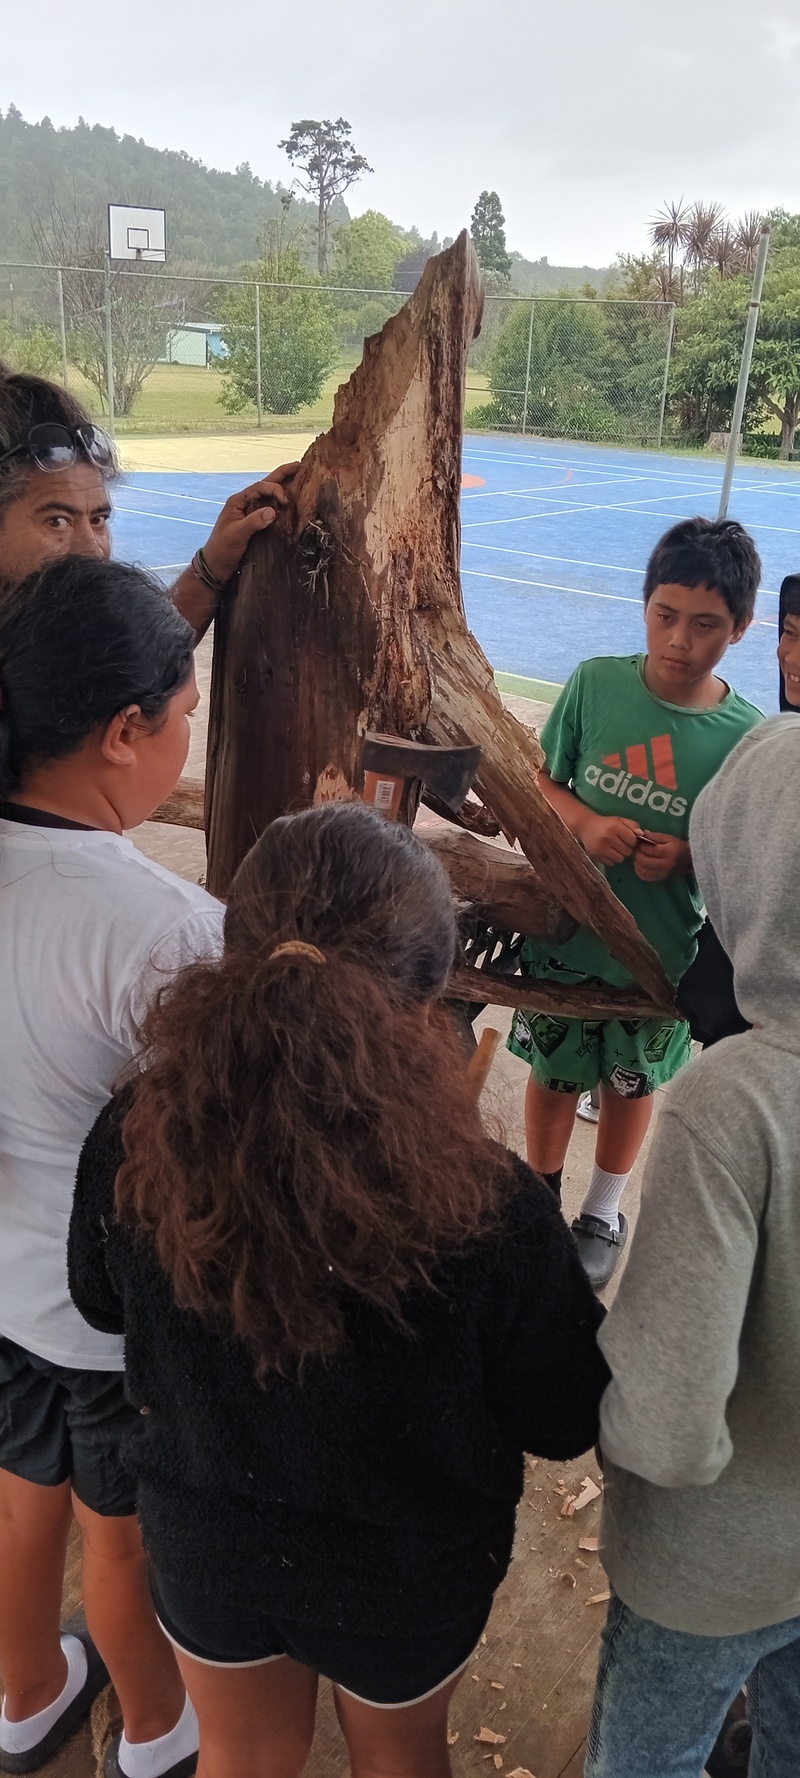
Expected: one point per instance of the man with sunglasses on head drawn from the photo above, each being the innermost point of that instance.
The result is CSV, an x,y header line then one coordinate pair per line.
x,y
56,468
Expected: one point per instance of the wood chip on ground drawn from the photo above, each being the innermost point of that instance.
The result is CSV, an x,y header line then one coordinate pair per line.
x,y
589,1492
490,1737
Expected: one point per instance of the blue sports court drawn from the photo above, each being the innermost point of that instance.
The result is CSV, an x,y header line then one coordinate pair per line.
x,y
555,539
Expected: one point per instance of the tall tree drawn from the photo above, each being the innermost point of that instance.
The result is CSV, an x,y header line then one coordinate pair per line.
x,y
669,230
725,250
487,228
709,347
366,251
703,222
296,331
325,152
776,358
748,235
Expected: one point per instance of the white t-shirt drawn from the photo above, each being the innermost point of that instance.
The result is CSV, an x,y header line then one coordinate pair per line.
x,y
89,928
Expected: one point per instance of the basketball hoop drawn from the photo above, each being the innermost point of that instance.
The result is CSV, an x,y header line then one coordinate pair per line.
x,y
136,232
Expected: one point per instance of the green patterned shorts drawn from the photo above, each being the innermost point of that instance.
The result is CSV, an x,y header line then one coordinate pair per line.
x,y
633,1056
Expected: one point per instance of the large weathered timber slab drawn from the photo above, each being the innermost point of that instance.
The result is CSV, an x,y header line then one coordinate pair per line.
x,y
349,616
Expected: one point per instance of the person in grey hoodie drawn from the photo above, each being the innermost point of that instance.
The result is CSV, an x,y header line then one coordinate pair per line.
x,y
700,1425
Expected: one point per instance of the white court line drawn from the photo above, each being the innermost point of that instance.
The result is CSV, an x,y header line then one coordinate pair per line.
x,y
539,556
167,518
163,494
635,508
590,506
536,555
654,474
553,492
511,493
553,586
164,567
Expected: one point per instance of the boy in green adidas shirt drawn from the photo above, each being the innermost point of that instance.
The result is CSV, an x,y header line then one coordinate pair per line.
x,y
629,745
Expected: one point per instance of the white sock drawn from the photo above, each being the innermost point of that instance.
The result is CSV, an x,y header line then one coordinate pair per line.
x,y
149,1759
20,1737
603,1196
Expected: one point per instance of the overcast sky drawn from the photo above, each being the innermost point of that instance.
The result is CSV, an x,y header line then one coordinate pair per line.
x,y
583,114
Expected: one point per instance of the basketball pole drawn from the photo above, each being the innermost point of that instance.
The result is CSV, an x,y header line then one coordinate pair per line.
x,y
744,369
109,350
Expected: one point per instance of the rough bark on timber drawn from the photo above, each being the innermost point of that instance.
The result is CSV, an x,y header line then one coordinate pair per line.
x,y
349,616
565,1000
500,886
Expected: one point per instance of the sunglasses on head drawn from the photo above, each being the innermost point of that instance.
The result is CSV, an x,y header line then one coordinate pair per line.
x,y
53,447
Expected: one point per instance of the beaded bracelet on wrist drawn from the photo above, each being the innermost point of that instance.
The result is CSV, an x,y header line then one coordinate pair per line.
x,y
202,572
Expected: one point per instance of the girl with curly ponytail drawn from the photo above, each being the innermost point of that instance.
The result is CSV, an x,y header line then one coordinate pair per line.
x,y
346,1312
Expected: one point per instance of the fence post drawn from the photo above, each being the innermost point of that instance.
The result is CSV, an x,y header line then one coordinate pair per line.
x,y
62,325
109,349
744,369
258,353
663,408
528,373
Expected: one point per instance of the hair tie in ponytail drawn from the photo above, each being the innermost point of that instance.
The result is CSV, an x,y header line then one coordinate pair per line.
x,y
295,947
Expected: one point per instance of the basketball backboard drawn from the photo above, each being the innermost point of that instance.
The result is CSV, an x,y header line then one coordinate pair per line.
x,y
135,232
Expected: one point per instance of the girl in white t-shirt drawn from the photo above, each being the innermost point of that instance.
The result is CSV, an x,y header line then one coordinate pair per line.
x,y
96,688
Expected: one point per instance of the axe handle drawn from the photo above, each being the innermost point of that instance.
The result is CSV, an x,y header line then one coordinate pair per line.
x,y
383,791
482,1061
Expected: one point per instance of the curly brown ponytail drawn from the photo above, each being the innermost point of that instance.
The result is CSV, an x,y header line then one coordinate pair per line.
x,y
302,1133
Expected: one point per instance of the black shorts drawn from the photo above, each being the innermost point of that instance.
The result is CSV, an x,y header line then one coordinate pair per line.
x,y
387,1671
61,1425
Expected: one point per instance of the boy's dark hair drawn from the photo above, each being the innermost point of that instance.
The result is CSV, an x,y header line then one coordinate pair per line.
x,y
716,553
789,606
789,598
303,1140
79,641
27,401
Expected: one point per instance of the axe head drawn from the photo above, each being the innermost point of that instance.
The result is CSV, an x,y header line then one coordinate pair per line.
x,y
447,771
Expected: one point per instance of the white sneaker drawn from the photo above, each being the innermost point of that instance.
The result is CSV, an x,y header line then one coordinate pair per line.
x,y
587,1109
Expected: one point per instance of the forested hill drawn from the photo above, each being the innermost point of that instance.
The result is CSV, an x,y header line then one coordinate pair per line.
x,y
214,218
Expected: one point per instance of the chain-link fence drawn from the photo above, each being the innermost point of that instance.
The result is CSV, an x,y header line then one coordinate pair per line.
x,y
150,352
571,367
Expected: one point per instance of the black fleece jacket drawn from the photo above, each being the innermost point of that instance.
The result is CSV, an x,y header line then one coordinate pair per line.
x,y
377,1493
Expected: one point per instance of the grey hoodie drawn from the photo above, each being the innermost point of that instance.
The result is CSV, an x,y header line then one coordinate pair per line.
x,y
700,1425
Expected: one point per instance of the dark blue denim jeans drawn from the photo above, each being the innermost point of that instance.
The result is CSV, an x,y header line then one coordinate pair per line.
x,y
662,1696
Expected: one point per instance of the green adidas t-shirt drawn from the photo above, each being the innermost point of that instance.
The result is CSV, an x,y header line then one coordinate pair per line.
x,y
625,752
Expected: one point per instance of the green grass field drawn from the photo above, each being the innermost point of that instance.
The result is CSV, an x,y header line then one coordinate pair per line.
x,y
185,398
179,398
